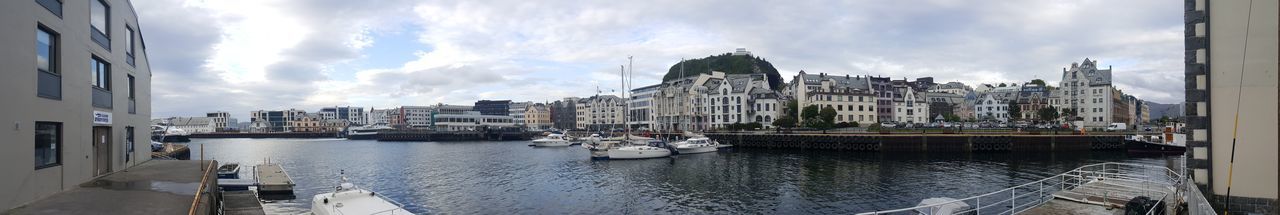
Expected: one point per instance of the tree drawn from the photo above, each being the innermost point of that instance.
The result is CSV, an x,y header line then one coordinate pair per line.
x,y
1015,112
1048,113
828,115
1038,81
810,113
792,107
785,122
1003,85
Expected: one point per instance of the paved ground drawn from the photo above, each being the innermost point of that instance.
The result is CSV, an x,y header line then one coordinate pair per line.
x,y
1064,207
153,187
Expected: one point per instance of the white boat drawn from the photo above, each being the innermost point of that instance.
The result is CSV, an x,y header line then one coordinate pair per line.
x,y
349,199
652,149
367,132
697,145
552,140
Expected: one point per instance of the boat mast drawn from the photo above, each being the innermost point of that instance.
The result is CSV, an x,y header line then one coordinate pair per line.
x,y
622,71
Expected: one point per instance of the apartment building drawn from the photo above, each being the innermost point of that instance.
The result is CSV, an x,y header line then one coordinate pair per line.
x,y
77,98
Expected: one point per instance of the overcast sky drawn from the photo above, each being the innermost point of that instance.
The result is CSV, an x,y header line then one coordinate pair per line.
x,y
238,56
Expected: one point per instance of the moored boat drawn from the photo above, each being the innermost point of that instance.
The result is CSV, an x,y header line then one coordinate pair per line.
x,y
1168,142
697,145
347,198
367,132
552,140
651,149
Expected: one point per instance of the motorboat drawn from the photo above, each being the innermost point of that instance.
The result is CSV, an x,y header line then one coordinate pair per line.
x,y
651,149
552,140
697,145
229,171
1167,142
941,206
599,147
367,132
169,134
347,198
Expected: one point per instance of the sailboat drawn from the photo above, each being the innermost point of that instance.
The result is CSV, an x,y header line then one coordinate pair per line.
x,y
628,146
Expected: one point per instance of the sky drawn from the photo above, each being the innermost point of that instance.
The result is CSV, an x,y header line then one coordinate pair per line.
x,y
244,55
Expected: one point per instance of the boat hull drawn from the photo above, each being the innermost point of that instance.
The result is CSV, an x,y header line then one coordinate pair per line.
x,y
696,150
172,138
362,136
617,154
1134,146
550,143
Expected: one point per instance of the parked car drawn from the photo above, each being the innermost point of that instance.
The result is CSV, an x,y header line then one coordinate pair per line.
x,y
888,125
1119,126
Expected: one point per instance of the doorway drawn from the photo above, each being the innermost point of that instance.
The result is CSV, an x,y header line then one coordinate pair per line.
x,y
101,150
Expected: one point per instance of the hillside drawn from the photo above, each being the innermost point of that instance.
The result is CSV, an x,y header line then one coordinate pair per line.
x,y
729,64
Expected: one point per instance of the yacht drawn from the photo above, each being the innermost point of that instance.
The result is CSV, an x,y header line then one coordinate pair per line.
x,y
346,198
697,145
651,149
552,140
367,132
599,147
169,134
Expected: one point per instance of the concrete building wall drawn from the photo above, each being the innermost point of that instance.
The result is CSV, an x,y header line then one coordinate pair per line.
x,y
22,182
1224,75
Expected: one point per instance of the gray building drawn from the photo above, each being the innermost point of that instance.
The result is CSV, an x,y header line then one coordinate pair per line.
x,y
77,95
564,113
354,115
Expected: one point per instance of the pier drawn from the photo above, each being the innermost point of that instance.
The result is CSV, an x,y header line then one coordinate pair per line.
x,y
267,135
425,135
925,142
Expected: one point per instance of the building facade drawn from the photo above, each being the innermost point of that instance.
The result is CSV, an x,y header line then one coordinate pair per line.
x,y
853,97
564,113
1231,69
602,112
516,111
537,117
379,116
222,120
1089,92
909,106
991,107
464,118
77,102
641,107
275,120
412,116
494,107
354,115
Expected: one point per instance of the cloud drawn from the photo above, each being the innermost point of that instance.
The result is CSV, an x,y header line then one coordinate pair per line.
x,y
307,54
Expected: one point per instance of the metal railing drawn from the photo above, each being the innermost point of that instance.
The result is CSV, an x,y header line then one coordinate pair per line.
x,y
1196,203
1123,178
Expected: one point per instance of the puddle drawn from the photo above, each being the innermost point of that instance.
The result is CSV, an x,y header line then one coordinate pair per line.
x,y
161,186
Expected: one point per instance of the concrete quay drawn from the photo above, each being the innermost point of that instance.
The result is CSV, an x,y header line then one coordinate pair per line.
x,y
153,187
925,142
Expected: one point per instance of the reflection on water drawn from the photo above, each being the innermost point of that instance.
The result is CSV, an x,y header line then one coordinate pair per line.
x,y
502,177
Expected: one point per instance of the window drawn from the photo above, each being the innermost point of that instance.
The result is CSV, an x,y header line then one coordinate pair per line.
x,y
128,45
54,6
101,73
49,81
128,143
99,22
48,144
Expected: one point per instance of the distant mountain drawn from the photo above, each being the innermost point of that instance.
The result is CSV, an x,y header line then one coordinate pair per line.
x,y
729,64
1159,110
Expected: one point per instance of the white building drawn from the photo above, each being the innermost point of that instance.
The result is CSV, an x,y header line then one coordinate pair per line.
x,y
851,96
991,107
731,100
379,116
463,118
354,115
413,116
952,88
221,120
909,106
681,104
601,112
194,125
640,112
1088,90
516,111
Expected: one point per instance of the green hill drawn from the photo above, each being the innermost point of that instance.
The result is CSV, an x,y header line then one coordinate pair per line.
x,y
729,64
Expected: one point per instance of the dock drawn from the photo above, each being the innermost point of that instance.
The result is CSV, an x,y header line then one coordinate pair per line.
x,y
152,187
173,152
273,180
1104,188
243,202
925,142
266,135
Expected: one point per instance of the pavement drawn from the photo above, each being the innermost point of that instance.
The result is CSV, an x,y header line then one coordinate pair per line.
x,y
153,187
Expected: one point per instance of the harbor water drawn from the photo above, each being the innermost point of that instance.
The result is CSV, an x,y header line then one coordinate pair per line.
x,y
511,177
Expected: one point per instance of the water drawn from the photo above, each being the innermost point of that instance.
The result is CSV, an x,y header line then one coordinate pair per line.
x,y
506,177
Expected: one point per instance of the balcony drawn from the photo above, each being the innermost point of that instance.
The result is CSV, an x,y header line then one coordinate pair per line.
x,y
101,98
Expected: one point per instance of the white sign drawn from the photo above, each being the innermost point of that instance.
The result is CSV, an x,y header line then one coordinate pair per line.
x,y
101,117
